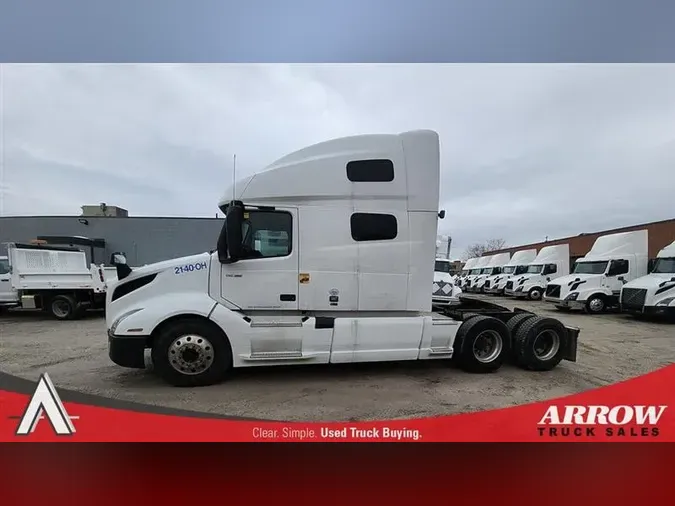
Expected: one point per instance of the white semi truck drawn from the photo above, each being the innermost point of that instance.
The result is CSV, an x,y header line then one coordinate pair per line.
x,y
653,294
445,292
475,271
551,262
357,218
468,265
53,279
515,267
597,279
493,268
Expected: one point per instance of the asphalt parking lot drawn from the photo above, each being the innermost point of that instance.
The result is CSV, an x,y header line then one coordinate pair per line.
x,y
612,348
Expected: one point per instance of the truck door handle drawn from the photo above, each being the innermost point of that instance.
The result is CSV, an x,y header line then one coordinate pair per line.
x,y
287,297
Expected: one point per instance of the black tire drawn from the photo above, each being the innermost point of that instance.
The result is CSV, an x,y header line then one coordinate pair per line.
x,y
516,321
526,344
596,304
201,338
63,307
535,293
470,336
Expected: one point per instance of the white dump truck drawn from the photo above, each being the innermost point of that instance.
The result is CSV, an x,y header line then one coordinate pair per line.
x,y
54,279
653,294
597,279
357,219
475,271
515,267
444,292
551,262
468,265
494,267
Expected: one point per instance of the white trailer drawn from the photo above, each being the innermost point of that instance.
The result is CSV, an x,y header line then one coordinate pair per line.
x,y
515,267
552,262
349,281
653,294
468,265
53,279
474,272
493,268
445,292
597,279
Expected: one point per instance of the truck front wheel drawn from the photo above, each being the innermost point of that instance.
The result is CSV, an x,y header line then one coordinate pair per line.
x,y
191,352
535,293
596,304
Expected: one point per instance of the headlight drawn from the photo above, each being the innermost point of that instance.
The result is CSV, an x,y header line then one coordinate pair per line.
x,y
124,316
572,296
519,289
665,302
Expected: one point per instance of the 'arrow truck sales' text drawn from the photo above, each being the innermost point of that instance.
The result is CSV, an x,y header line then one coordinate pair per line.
x,y
589,421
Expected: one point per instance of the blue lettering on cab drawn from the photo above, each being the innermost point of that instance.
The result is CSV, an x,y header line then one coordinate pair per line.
x,y
183,269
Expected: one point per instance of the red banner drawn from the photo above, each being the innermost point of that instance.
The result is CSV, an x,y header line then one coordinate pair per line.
x,y
637,410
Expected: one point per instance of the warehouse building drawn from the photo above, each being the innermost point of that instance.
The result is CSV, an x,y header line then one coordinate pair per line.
x,y
661,233
102,230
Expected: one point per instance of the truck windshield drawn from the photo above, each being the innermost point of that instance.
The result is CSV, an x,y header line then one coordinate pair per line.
x,y
474,271
534,269
590,267
509,269
487,270
442,267
662,266
521,269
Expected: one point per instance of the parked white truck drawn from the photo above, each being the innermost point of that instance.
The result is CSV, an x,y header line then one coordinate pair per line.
x,y
493,268
468,265
54,279
444,292
359,293
597,279
653,294
551,262
515,267
474,273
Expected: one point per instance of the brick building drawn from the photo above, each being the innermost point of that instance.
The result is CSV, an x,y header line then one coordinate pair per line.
x,y
661,233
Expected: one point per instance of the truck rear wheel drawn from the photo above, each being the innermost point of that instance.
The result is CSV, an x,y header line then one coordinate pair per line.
x,y
481,344
63,307
191,352
539,344
516,321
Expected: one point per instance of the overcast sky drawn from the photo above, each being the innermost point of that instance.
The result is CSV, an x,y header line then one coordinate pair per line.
x,y
528,151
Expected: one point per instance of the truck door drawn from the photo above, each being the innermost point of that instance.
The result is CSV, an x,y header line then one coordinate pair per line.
x,y
268,278
616,276
7,293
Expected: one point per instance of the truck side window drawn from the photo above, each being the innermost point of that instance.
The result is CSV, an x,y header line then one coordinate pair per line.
x,y
370,171
268,234
618,267
373,227
550,269
4,266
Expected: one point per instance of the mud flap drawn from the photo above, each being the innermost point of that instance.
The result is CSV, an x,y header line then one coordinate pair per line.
x,y
572,342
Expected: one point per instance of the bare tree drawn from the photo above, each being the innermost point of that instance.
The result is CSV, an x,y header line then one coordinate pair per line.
x,y
479,249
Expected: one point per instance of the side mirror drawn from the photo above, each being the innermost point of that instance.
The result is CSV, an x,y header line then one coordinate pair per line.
x,y
118,259
234,219
441,214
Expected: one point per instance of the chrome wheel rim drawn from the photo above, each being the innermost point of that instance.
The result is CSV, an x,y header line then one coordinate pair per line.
x,y
60,308
546,344
487,346
191,354
596,305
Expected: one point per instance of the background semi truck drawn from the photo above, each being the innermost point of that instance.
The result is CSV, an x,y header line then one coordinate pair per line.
x,y
653,294
516,266
474,273
357,294
493,268
551,262
444,292
598,277
466,269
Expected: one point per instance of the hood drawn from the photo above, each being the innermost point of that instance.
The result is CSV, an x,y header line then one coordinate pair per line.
x,y
443,276
651,281
144,270
570,279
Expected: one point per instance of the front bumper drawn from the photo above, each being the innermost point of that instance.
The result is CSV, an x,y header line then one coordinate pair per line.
x,y
652,311
127,351
571,304
494,290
